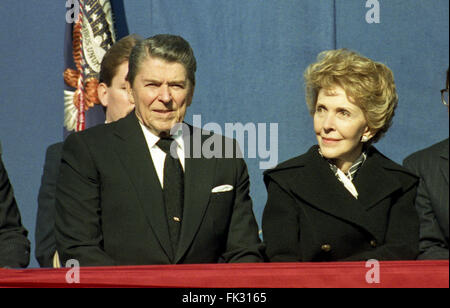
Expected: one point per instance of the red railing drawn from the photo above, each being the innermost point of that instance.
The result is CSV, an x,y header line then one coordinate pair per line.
x,y
401,274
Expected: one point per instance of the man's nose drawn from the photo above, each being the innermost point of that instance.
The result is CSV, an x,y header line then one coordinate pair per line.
x,y
164,94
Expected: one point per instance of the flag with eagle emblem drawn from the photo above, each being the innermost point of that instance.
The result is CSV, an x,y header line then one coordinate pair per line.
x,y
89,34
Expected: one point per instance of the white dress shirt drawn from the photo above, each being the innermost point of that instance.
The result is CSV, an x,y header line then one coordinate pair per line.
x,y
158,156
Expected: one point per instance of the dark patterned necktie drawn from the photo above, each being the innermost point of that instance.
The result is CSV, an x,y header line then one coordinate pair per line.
x,y
173,183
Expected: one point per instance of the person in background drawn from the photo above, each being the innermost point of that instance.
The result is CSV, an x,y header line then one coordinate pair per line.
x,y
113,96
343,200
432,203
14,244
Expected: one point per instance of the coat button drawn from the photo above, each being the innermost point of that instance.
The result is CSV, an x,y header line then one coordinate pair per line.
x,y
373,243
326,248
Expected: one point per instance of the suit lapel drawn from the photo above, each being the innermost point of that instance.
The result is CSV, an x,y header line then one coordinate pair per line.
x,y
443,161
133,151
199,177
373,181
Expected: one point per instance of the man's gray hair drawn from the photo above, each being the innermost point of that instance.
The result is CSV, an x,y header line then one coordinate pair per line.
x,y
171,48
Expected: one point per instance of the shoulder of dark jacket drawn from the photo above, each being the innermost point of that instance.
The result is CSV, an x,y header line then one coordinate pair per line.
x,y
441,148
230,148
95,132
288,168
406,177
55,148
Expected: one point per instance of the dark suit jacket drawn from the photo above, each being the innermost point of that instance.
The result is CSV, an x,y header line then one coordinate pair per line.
x,y
45,231
310,215
110,210
432,202
14,245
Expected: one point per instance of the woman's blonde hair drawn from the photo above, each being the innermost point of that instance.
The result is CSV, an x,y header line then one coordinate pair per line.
x,y
368,84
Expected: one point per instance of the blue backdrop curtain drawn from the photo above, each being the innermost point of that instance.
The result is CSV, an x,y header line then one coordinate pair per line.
x,y
251,56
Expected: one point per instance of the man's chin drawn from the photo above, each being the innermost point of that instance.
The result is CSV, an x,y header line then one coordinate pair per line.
x,y
167,128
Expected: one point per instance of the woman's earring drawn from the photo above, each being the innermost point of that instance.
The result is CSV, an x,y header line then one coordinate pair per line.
x,y
364,139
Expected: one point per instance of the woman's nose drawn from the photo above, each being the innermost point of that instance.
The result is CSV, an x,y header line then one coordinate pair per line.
x,y
329,122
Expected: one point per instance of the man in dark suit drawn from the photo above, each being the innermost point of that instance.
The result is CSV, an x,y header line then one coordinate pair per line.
x,y
141,191
14,245
432,201
113,96
431,165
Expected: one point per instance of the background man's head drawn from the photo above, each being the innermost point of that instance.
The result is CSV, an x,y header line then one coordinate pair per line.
x,y
161,81
114,69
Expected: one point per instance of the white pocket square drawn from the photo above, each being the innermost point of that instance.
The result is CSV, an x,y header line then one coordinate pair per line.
x,y
222,188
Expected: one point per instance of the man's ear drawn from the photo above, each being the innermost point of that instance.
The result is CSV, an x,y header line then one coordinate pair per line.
x,y
190,96
130,92
102,91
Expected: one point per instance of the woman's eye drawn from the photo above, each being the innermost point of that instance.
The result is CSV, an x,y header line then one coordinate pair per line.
x,y
345,113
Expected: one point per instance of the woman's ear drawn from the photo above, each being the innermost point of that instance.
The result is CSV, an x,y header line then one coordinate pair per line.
x,y
368,134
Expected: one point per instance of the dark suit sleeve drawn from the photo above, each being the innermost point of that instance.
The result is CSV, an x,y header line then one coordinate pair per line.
x,y
243,243
45,222
432,242
281,228
78,225
14,245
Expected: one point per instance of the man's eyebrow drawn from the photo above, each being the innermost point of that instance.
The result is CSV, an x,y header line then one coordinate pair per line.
x,y
177,81
159,81
150,80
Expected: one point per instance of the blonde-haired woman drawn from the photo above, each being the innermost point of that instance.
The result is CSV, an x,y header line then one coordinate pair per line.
x,y
343,200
